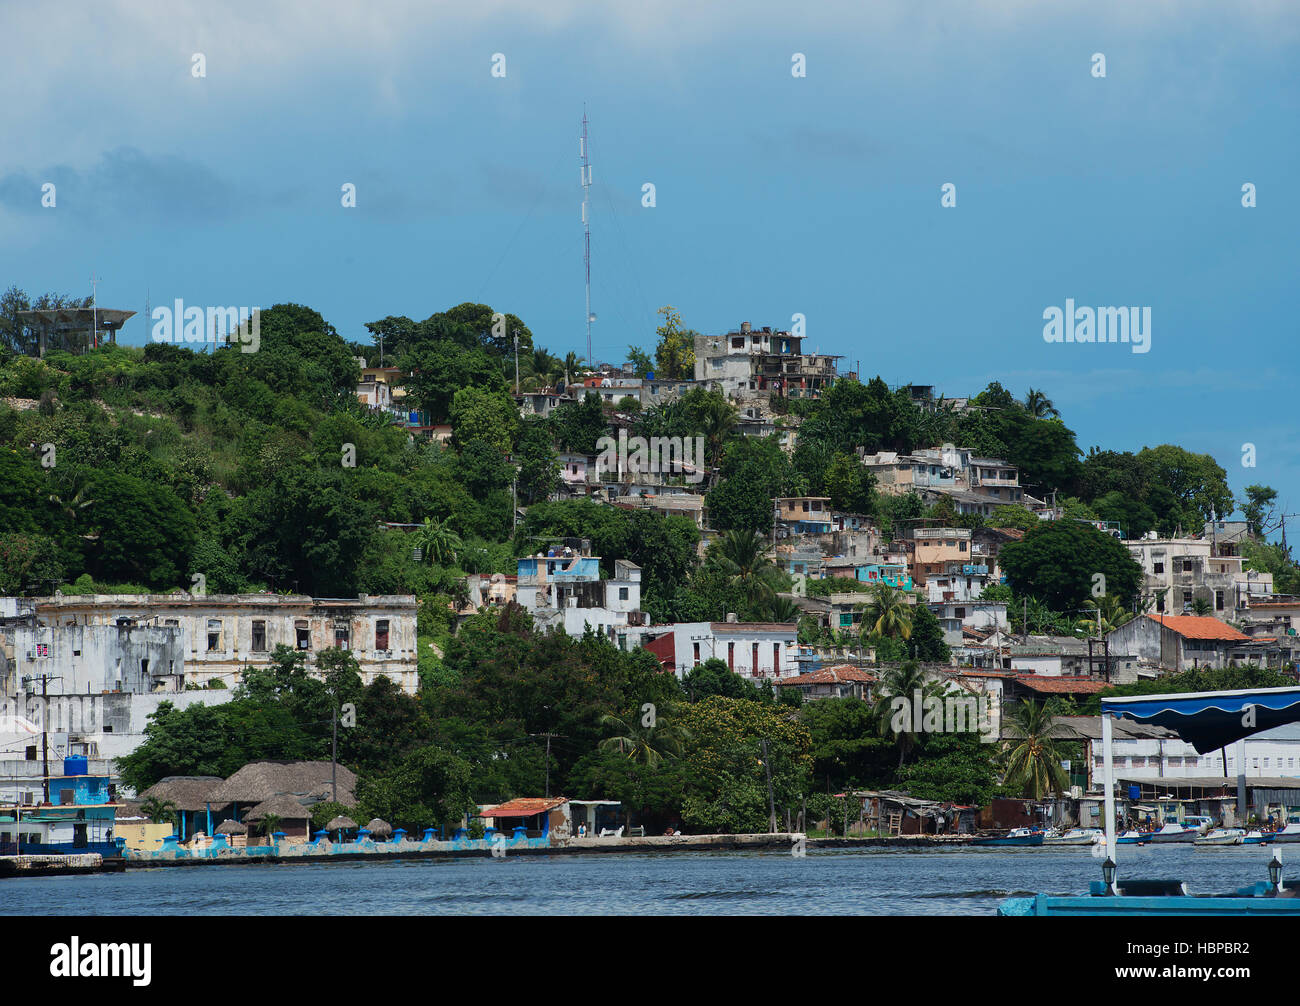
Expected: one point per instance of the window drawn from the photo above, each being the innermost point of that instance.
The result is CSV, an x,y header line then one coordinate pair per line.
x,y
302,634
754,658
776,658
342,636
697,654
259,635
1157,567
381,634
1218,600
731,656
622,593
214,634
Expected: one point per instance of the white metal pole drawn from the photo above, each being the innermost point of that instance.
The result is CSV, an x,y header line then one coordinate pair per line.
x,y
1108,774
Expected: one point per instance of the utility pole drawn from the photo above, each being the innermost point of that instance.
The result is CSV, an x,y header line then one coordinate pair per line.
x,y
771,805
45,729
334,754
94,310
517,361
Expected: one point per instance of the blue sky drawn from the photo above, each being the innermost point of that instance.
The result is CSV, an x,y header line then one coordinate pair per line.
x,y
775,195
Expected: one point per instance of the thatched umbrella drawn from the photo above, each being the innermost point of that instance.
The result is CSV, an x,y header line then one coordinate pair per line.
x,y
340,824
231,828
378,826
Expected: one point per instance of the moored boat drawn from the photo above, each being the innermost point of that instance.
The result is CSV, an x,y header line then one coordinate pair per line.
x,y
1075,836
1207,721
1172,832
1257,837
1015,837
1222,836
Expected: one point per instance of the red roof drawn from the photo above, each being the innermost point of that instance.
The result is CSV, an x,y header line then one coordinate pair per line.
x,y
524,806
841,673
1199,627
1062,685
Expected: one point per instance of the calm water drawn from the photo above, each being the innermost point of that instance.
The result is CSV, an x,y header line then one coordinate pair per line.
x,y
858,882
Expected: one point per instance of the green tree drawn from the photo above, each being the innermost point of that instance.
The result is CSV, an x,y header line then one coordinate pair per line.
x,y
1058,561
675,354
1032,758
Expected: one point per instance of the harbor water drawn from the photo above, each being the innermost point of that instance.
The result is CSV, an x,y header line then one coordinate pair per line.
x,y
964,881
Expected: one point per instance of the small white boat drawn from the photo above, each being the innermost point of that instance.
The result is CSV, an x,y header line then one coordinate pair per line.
x,y
1223,836
1172,833
1075,836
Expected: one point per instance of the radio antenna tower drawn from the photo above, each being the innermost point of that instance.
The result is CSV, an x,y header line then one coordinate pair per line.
x,y
586,224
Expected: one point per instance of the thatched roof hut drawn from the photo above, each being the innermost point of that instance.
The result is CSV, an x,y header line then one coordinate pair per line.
x,y
283,806
187,792
341,823
231,828
378,826
261,780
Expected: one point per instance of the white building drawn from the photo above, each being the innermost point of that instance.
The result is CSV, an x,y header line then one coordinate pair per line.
x,y
220,634
565,591
754,650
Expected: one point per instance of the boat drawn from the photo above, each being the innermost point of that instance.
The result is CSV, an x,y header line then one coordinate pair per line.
x,y
1291,833
1257,837
1132,837
1222,836
1208,721
1172,832
1075,836
1015,837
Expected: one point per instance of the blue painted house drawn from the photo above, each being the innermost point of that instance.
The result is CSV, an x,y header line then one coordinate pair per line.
x,y
80,817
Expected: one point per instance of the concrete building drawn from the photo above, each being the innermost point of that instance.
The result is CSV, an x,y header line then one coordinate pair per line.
x,y
1183,642
935,548
1177,572
754,650
564,590
753,364
220,634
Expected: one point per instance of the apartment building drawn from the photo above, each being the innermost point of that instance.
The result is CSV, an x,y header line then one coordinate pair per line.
x,y
563,590
221,634
1177,572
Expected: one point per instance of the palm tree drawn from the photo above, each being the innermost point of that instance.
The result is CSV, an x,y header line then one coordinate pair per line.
x,y
1038,405
159,811
887,613
1107,612
1032,761
438,542
572,365
739,554
902,682
716,422
1200,606
645,746
782,609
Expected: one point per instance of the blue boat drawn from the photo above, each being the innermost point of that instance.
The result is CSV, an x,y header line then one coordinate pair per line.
x,y
1016,836
1208,721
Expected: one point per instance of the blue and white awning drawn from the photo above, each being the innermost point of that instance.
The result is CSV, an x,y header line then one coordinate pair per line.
x,y
1211,720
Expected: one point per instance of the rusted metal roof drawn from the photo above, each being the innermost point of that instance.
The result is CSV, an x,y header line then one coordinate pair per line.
x,y
1062,685
524,806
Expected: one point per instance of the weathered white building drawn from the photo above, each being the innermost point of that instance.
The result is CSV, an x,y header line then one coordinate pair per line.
x,y
566,591
1180,571
221,634
754,650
